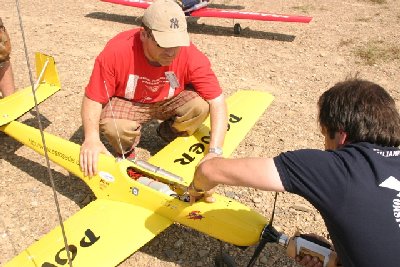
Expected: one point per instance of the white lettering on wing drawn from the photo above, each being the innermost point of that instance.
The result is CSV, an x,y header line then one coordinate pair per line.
x,y
255,13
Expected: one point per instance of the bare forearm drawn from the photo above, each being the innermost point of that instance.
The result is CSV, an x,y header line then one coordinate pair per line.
x,y
258,173
90,113
219,121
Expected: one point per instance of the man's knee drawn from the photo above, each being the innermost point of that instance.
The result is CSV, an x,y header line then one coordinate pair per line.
x,y
120,132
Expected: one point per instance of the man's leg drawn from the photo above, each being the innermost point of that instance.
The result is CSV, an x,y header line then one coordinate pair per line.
x,y
190,112
122,134
121,121
7,86
6,75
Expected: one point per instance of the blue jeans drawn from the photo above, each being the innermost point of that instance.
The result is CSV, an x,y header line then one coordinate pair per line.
x,y
189,3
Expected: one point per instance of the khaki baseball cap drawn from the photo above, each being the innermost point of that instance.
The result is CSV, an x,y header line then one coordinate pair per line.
x,y
168,23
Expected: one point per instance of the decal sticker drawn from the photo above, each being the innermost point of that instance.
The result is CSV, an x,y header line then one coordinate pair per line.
x,y
135,191
199,148
106,177
195,215
103,184
60,257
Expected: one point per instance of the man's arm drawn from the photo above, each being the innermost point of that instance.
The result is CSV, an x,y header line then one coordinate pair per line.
x,y
219,122
259,173
92,144
6,79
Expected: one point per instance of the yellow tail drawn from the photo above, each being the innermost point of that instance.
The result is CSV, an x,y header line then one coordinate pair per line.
x,y
17,104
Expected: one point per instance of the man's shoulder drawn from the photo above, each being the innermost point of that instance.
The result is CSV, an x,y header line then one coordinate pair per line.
x,y
125,36
121,43
192,48
193,55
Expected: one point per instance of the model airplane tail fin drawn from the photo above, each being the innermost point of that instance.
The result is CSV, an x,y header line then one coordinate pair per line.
x,y
22,101
182,155
102,234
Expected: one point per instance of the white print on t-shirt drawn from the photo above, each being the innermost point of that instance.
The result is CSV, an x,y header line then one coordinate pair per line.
x,y
153,85
143,89
391,183
396,210
388,153
394,184
173,83
131,86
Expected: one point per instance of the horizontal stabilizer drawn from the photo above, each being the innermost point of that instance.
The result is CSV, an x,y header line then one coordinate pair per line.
x,y
22,101
182,155
102,234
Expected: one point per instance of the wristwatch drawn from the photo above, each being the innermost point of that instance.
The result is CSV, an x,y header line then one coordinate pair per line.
x,y
216,150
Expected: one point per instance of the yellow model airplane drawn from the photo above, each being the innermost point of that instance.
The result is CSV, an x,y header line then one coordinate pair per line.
x,y
128,213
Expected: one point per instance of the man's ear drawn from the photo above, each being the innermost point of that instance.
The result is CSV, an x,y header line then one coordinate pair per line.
x,y
143,34
342,137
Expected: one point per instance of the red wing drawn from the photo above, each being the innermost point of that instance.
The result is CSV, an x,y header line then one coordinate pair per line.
x,y
234,14
222,13
135,3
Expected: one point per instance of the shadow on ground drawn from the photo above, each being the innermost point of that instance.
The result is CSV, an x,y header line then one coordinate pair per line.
x,y
195,28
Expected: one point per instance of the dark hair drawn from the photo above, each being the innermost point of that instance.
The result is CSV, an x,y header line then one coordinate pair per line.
x,y
363,109
145,27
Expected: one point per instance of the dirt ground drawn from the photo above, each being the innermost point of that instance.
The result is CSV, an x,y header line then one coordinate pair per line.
x,y
295,62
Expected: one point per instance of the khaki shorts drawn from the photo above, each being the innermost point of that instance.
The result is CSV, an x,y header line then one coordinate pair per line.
x,y
121,120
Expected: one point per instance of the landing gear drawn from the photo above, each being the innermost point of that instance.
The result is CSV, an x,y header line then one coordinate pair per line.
x,y
224,260
237,29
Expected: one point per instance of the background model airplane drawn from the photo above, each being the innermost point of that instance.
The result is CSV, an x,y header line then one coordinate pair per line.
x,y
132,209
201,10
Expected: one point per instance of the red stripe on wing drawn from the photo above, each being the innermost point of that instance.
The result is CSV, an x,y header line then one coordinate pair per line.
x,y
135,3
234,14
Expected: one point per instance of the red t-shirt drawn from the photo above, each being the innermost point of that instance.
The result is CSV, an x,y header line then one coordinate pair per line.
x,y
122,70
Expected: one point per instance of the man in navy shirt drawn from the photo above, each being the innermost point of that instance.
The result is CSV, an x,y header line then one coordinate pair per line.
x,y
354,183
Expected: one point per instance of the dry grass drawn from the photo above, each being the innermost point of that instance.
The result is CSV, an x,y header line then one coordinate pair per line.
x,y
376,1
364,19
377,51
304,8
346,42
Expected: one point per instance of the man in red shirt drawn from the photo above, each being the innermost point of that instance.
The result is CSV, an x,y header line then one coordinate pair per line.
x,y
153,72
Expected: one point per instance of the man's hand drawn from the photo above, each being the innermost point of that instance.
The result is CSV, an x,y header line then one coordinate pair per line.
x,y
313,261
89,156
207,157
309,261
196,195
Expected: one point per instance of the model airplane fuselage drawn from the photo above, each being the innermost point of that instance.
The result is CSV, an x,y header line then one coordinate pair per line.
x,y
131,209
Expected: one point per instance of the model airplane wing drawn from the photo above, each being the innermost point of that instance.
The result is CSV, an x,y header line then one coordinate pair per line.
x,y
183,154
222,13
22,101
236,14
129,213
102,234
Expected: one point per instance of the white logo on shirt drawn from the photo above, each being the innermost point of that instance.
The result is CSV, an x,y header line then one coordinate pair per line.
x,y
131,86
388,153
393,183
173,83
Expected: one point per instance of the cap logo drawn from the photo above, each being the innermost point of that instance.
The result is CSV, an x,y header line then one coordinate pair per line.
x,y
174,23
